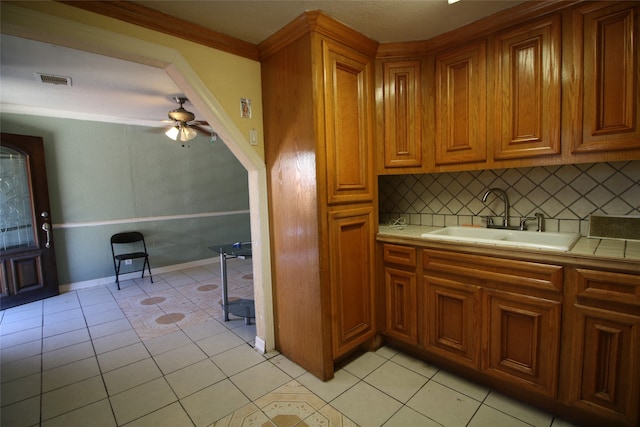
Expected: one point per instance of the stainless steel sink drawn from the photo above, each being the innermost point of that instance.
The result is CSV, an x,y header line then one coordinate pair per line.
x,y
512,238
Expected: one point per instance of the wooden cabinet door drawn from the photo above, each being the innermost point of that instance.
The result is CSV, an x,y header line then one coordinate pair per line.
x,y
400,292
461,104
348,107
523,340
401,305
452,319
605,375
606,60
402,114
527,90
351,255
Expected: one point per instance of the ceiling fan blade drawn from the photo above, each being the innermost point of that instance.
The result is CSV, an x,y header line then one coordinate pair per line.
x,y
203,130
197,122
157,129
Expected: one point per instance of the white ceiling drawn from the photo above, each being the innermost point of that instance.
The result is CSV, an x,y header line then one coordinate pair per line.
x,y
113,90
382,20
102,88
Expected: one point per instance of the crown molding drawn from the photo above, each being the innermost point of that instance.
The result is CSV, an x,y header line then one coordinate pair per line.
x,y
475,30
154,20
318,22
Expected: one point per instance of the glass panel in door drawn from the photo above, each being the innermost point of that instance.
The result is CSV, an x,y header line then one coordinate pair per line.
x,y
16,216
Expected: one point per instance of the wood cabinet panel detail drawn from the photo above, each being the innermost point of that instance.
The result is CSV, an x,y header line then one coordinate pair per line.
x,y
461,105
605,375
614,288
348,110
452,319
401,304
496,272
606,57
523,338
400,292
402,114
401,255
351,250
527,90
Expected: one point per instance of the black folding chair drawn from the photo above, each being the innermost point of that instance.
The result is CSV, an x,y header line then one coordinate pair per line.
x,y
129,246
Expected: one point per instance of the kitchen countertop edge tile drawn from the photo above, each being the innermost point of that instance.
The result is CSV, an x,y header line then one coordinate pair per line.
x,y
586,249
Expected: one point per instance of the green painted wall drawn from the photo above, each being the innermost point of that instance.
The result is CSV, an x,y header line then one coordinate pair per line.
x,y
101,172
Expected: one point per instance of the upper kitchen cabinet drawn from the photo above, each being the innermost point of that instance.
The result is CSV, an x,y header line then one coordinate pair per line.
x,y
607,114
542,83
401,147
461,105
527,90
348,108
317,82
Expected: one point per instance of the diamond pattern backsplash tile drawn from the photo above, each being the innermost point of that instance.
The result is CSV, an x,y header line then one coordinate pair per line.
x,y
566,195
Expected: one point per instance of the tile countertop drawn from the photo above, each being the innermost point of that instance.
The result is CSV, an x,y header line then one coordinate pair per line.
x,y
608,249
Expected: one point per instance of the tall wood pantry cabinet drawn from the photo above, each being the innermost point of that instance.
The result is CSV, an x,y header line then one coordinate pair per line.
x,y
317,78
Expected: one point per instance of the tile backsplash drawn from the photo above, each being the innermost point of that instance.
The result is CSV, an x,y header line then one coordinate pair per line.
x,y
566,195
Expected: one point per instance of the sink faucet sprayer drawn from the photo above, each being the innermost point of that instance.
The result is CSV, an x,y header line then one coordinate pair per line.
x,y
537,217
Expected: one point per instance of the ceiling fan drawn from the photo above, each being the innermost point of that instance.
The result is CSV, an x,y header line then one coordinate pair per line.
x,y
185,127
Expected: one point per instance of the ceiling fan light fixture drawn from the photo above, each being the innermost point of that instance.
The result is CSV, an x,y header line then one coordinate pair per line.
x,y
181,115
173,132
182,127
187,133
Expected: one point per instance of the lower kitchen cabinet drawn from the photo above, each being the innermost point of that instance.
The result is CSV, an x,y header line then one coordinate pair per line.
x,y
606,357
556,334
351,250
522,335
400,293
499,316
452,319
604,373
401,305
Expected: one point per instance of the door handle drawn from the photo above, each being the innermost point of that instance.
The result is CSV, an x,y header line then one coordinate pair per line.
x,y
47,228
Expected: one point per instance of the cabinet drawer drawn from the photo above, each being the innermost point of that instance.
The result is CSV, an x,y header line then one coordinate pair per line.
x,y
518,276
615,288
402,255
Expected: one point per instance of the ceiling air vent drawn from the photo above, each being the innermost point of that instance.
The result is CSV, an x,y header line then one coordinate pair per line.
x,y
54,80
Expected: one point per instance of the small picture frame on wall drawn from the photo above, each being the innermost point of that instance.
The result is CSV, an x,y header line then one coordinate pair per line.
x,y
245,108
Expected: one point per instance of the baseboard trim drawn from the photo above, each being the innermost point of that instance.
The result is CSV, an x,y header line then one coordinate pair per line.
x,y
260,345
75,286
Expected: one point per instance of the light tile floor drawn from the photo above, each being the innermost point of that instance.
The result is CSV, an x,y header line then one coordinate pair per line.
x,y
160,355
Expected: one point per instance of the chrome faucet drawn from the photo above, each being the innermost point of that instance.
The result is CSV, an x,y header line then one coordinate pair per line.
x,y
504,197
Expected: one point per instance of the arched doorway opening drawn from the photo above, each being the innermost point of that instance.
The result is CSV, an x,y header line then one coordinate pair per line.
x,y
76,35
